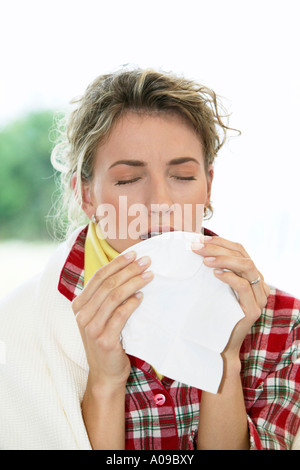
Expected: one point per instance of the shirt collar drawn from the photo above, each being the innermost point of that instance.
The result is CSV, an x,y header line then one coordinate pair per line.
x,y
71,278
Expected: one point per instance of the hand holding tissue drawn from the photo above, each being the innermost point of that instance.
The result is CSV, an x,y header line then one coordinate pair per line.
x,y
186,316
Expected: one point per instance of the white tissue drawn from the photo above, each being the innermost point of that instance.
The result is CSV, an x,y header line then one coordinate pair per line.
x,y
186,316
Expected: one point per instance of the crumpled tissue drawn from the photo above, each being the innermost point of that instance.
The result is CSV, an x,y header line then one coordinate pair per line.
x,y
186,316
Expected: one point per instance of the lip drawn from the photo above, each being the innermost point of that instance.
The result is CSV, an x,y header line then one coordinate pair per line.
x,y
156,229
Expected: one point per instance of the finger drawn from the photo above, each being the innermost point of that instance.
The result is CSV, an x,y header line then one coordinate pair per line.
x,y
122,314
244,291
260,294
242,267
247,302
261,290
102,305
91,306
110,335
120,296
215,250
265,286
114,266
233,246
215,246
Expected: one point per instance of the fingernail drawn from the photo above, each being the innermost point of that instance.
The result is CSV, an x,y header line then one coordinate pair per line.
x,y
138,295
130,255
197,245
143,261
147,274
219,271
207,237
209,259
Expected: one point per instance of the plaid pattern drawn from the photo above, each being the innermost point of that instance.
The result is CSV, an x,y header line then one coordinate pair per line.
x,y
71,281
270,357
170,426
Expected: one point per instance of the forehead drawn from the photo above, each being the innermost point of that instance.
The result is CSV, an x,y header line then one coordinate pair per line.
x,y
149,136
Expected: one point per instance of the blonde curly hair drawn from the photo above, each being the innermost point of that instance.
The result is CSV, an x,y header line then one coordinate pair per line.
x,y
106,99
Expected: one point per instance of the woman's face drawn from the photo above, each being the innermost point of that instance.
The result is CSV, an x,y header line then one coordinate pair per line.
x,y
149,176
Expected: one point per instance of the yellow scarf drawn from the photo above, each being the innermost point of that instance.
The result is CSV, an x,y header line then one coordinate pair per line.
x,y
97,253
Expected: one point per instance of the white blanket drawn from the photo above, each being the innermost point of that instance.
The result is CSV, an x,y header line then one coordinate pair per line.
x,y
43,371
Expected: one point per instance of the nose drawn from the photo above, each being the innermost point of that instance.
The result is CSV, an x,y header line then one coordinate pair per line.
x,y
160,199
163,208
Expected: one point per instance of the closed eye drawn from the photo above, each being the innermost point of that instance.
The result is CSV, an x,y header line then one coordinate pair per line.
x,y
181,178
118,183
184,178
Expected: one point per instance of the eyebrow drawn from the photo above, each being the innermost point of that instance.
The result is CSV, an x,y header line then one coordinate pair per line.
x,y
178,161
175,161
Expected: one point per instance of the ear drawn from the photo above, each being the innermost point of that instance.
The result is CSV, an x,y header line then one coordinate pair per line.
x,y
86,196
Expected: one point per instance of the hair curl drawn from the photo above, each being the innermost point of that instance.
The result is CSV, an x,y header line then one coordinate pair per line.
x,y
106,99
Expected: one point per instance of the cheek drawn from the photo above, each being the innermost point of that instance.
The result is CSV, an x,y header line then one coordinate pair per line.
x,y
189,217
121,218
191,197
191,211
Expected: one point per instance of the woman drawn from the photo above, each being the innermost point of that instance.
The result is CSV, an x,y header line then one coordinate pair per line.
x,y
150,138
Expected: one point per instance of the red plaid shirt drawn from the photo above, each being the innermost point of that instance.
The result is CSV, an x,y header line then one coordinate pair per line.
x,y
163,414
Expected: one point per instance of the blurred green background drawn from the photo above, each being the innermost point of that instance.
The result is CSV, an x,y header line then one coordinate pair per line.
x,y
27,183
28,190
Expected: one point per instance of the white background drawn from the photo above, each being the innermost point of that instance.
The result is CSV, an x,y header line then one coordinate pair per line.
x,y
247,51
